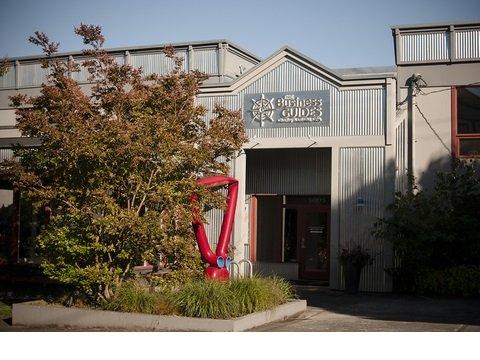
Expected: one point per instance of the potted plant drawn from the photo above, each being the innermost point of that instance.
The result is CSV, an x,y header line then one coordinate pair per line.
x,y
353,260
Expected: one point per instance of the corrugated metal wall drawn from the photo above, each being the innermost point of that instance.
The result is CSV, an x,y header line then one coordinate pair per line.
x,y
8,79
6,154
289,171
352,112
156,62
467,44
83,74
425,46
362,176
230,102
32,74
206,60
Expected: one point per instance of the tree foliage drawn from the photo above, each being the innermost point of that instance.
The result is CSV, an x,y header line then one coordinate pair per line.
x,y
438,229
117,163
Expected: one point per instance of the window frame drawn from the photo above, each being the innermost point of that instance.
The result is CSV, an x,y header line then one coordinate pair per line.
x,y
456,137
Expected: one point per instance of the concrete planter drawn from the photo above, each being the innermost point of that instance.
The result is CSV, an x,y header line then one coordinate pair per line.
x,y
37,314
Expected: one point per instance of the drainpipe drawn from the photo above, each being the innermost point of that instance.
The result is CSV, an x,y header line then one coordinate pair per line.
x,y
413,83
410,122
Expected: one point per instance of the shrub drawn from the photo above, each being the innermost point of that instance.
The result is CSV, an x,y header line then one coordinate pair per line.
x,y
5,310
454,281
433,230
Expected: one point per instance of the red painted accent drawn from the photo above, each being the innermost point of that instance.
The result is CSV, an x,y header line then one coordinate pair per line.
x,y
454,122
455,135
213,271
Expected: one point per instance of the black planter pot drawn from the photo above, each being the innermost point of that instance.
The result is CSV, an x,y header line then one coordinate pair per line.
x,y
352,278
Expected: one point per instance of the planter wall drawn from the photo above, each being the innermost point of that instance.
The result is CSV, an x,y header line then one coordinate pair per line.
x,y
37,313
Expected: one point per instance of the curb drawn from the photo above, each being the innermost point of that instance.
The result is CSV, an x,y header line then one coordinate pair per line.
x,y
36,313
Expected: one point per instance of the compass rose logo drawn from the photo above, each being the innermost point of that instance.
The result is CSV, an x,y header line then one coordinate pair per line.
x,y
262,110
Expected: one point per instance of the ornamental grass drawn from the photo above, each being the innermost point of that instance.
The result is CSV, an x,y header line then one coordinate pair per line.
x,y
203,298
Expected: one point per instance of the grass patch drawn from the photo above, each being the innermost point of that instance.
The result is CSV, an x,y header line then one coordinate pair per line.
x,y
5,311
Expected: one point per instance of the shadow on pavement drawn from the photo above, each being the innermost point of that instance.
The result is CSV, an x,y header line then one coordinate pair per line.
x,y
393,307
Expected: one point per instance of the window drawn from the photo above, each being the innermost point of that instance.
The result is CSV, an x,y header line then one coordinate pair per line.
x,y
466,121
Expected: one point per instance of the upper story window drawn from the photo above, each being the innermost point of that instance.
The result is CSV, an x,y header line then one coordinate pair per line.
x,y
466,121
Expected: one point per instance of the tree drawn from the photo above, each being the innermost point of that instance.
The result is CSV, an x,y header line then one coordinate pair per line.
x,y
117,164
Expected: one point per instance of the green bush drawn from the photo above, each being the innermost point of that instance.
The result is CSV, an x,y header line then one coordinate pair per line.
x,y
454,281
135,296
435,229
5,310
237,297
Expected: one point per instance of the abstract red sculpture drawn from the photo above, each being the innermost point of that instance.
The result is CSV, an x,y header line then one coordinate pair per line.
x,y
218,261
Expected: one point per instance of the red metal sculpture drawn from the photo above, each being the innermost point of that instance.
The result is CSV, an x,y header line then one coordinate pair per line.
x,y
218,261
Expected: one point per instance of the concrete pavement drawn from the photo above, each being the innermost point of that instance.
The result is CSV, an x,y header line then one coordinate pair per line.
x,y
336,311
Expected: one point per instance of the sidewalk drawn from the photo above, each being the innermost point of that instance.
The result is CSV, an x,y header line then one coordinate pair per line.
x,y
330,310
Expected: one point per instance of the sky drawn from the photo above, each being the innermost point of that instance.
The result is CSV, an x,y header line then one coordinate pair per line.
x,y
336,33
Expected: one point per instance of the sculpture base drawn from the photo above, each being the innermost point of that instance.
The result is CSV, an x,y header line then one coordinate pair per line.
x,y
216,273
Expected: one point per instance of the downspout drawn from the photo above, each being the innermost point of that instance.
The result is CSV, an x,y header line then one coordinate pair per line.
x,y
410,132
413,83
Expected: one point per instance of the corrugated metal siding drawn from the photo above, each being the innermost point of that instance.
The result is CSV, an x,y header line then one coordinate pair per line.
x,y
157,63
401,179
213,226
8,79
467,44
230,102
431,46
83,74
6,154
362,176
352,112
289,171
206,60
32,74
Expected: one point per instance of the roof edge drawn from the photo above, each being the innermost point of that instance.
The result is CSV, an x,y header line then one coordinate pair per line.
x,y
313,63
142,48
435,25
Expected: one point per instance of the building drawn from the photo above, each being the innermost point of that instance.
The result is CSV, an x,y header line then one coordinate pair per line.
x,y
328,148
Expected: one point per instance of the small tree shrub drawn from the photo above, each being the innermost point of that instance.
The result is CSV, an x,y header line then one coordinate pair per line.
x,y
454,281
117,164
436,230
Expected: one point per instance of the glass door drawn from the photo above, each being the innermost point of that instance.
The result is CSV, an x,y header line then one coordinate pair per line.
x,y
314,244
